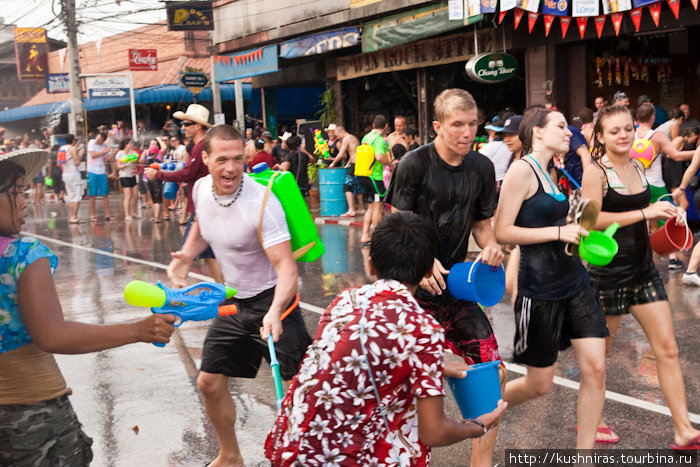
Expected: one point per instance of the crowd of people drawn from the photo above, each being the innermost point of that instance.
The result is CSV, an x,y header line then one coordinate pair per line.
x,y
368,388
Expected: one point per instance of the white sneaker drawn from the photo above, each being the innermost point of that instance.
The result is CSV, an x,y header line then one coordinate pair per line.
x,y
691,279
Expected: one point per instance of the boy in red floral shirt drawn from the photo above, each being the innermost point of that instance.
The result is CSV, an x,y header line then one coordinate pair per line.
x,y
375,343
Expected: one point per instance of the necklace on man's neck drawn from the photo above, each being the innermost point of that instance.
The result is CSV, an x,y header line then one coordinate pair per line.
x,y
228,200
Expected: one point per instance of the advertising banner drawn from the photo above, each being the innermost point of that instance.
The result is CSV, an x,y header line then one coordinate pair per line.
x,y
58,82
32,54
190,16
320,43
143,59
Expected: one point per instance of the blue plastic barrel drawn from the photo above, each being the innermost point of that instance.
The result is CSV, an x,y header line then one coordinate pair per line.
x,y
330,183
335,239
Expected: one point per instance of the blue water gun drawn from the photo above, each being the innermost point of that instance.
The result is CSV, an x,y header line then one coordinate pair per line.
x,y
169,188
199,302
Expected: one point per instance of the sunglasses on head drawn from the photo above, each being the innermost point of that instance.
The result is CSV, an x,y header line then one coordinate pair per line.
x,y
188,123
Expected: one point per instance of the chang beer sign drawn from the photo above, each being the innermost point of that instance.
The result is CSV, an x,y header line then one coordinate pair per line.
x,y
491,68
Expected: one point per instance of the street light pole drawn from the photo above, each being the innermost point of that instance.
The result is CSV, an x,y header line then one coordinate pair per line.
x,y
76,103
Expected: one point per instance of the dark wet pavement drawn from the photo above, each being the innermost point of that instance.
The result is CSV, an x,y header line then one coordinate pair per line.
x,y
140,405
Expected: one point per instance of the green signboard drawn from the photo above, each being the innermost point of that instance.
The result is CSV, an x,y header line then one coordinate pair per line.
x,y
410,26
491,68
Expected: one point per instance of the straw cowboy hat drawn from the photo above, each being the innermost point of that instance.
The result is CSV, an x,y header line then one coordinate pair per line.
x,y
32,159
195,113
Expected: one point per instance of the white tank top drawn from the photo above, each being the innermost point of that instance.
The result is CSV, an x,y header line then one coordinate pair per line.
x,y
69,166
232,233
654,173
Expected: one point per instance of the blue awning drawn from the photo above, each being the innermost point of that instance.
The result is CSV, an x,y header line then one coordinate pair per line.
x,y
21,113
166,93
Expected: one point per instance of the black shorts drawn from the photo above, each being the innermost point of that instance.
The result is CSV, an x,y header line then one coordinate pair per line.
x,y
143,185
618,301
127,182
370,188
233,346
467,329
543,327
155,187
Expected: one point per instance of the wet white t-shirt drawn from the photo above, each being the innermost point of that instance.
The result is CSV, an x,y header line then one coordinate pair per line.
x,y
95,165
232,233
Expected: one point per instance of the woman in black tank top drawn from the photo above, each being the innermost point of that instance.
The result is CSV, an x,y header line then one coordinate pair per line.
x,y
630,283
556,304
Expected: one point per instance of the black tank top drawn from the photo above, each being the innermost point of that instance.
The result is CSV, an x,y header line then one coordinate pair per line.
x,y
633,262
546,272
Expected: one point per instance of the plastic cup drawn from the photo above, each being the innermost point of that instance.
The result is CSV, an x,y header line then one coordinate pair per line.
x,y
477,282
599,248
477,393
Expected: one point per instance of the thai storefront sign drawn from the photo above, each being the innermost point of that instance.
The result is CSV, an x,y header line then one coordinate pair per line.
x,y
320,43
409,27
190,16
426,53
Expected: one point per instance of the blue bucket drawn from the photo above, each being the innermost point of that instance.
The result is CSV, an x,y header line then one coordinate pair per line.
x,y
330,185
477,393
335,258
477,282
170,190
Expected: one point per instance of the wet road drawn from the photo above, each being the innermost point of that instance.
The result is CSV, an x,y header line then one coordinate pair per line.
x,y
140,405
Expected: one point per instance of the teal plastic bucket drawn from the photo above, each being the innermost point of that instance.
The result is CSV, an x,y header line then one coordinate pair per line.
x,y
477,393
330,185
335,239
477,282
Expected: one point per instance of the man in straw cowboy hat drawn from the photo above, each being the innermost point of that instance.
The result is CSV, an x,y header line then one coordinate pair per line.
x,y
37,423
195,123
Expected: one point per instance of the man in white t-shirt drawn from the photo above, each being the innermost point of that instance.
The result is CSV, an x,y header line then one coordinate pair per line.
x,y
98,154
497,150
259,265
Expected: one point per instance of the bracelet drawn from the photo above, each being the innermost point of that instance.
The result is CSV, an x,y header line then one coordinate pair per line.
x,y
559,233
643,216
477,422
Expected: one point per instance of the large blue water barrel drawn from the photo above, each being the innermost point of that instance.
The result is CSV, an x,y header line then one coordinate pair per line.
x,y
335,258
330,184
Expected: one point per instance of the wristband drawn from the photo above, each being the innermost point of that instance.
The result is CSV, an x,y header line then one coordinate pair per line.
x,y
559,233
643,216
477,422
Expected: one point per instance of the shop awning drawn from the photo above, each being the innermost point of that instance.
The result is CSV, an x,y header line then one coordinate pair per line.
x,y
22,113
152,95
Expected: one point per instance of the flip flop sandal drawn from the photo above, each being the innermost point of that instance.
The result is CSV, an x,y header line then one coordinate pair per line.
x,y
693,444
604,430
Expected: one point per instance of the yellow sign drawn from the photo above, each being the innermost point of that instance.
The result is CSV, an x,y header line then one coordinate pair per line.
x,y
358,3
36,35
421,54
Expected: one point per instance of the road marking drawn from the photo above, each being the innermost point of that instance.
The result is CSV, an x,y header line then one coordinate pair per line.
x,y
614,396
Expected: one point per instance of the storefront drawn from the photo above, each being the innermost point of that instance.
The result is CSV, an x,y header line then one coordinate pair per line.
x,y
644,51
404,80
